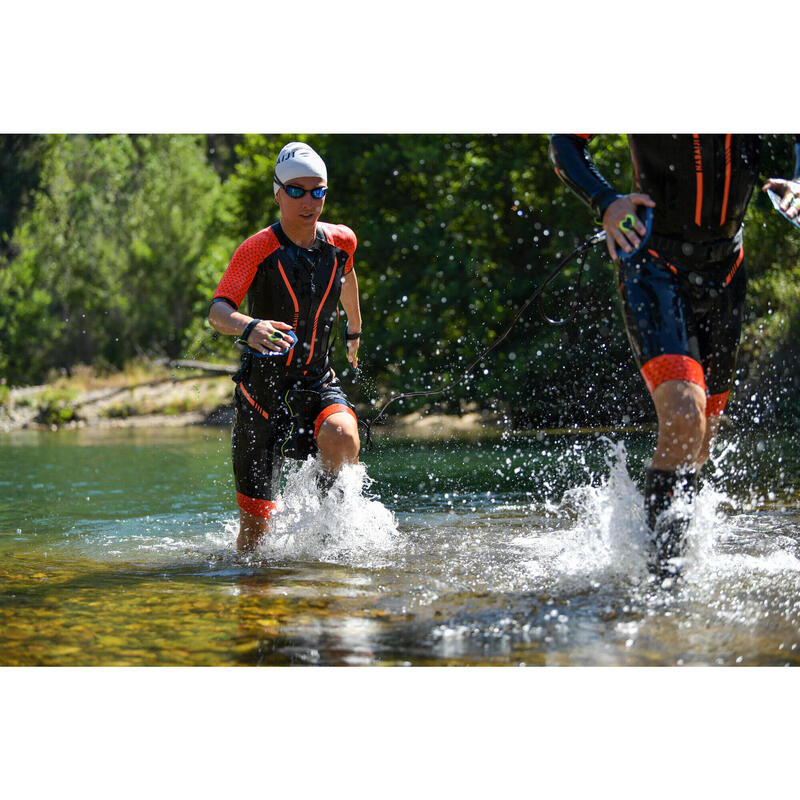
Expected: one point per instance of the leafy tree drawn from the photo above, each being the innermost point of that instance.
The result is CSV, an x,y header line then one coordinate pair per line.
x,y
20,161
119,242
454,234
108,255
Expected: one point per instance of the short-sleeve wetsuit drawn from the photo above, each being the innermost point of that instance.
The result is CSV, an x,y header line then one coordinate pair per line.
x,y
282,401
683,295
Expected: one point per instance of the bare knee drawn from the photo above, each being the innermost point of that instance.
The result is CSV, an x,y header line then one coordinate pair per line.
x,y
338,441
682,426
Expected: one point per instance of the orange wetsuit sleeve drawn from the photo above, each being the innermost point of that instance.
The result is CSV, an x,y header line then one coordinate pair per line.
x,y
344,238
243,266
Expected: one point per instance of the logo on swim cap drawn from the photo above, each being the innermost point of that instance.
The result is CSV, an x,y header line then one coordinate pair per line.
x,y
298,160
286,154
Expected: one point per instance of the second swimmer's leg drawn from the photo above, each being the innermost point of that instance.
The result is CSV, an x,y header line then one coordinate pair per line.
x,y
682,428
683,434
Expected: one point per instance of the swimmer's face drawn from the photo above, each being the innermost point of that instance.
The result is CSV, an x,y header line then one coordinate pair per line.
x,y
301,211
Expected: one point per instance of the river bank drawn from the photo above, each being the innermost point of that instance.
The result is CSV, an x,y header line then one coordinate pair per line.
x,y
178,396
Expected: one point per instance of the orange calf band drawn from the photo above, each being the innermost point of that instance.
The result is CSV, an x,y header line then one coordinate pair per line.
x,y
672,368
715,404
256,507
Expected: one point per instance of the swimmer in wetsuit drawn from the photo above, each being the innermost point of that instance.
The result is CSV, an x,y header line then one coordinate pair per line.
x,y
294,274
682,295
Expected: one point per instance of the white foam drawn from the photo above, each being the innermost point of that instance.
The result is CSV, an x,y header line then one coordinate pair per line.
x,y
602,532
597,533
344,525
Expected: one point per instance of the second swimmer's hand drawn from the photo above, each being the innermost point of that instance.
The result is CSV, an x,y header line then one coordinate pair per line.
x,y
789,192
267,335
624,237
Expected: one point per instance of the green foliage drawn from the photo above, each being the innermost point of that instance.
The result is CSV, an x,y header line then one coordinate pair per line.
x,y
454,233
21,157
120,241
56,406
108,255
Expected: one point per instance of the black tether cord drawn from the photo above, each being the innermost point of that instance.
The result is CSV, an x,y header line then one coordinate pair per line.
x,y
581,250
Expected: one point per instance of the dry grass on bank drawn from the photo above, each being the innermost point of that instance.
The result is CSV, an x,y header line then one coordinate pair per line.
x,y
136,395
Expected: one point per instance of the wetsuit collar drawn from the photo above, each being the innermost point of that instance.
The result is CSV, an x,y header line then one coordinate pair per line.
x,y
285,241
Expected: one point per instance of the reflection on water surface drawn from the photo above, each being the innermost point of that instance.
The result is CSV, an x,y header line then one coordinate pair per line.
x,y
117,548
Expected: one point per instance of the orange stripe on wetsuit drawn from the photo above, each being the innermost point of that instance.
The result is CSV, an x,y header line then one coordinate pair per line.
x,y
727,188
256,507
335,408
735,268
672,268
728,278
294,303
252,402
316,316
698,169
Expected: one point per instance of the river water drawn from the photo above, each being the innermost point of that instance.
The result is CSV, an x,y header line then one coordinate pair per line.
x,y
117,548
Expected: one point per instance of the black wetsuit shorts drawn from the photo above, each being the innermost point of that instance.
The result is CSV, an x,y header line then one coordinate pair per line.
x,y
684,319
276,417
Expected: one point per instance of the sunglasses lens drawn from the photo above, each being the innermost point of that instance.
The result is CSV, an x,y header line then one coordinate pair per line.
x,y
298,191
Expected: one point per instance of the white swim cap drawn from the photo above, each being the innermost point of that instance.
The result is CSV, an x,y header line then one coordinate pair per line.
x,y
298,160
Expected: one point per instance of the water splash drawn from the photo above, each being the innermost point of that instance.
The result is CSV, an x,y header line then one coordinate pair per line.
x,y
600,531
345,524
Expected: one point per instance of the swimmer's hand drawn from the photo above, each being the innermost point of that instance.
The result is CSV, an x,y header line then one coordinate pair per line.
x,y
620,233
268,335
789,192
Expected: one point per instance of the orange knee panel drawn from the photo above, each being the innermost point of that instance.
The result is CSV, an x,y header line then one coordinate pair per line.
x,y
335,408
672,368
682,368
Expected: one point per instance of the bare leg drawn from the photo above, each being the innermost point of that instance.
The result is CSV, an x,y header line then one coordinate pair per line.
x,y
712,427
683,435
252,530
684,439
338,442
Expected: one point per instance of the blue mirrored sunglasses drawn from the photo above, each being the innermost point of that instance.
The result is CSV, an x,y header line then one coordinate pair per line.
x,y
297,192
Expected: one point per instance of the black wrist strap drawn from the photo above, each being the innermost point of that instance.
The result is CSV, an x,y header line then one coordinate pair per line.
x,y
247,331
350,337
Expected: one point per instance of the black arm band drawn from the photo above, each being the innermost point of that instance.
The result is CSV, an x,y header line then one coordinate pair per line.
x,y
227,301
603,201
247,331
351,337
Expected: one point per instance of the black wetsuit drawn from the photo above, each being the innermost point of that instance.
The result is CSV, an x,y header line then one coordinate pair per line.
x,y
683,295
282,401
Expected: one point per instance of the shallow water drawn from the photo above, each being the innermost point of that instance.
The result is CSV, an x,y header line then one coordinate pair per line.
x,y
117,548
